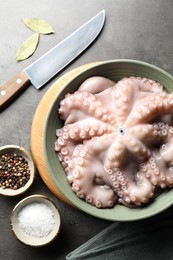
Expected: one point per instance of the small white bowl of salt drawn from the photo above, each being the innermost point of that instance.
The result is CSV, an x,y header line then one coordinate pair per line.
x,y
35,221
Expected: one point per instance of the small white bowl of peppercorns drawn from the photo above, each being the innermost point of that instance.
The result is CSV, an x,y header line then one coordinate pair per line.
x,y
17,170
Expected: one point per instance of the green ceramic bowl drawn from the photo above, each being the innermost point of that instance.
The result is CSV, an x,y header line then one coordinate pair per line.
x,y
114,70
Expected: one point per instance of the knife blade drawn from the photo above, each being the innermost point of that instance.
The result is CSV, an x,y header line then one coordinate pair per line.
x,y
52,62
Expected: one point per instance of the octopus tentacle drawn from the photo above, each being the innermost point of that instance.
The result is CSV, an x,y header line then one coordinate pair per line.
x,y
128,183
86,103
124,96
96,84
77,101
96,189
151,106
89,128
159,168
147,85
115,152
139,191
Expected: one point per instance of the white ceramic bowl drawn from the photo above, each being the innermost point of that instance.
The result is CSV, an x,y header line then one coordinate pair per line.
x,y
28,238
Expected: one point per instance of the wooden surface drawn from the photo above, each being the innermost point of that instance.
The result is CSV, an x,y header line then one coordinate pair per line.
x,y
37,130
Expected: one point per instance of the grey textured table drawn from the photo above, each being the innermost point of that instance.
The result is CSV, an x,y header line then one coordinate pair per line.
x,y
135,29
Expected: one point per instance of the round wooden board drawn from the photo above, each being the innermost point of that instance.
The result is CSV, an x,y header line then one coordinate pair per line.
x,y
38,125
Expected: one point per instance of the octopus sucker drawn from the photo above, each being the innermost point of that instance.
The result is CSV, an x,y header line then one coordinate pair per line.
x,y
116,145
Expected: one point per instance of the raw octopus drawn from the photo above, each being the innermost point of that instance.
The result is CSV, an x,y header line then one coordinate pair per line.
x,y
116,145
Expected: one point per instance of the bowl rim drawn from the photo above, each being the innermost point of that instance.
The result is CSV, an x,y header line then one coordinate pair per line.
x,y
136,213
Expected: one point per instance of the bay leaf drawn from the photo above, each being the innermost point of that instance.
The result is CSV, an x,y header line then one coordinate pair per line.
x,y
38,25
28,47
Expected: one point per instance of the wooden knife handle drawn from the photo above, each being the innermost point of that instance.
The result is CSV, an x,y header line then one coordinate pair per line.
x,y
10,89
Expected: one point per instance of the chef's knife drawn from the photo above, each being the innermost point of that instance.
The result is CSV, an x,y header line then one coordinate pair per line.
x,y
47,66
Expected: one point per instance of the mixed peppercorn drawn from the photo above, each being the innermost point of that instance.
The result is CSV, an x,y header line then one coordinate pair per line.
x,y
14,171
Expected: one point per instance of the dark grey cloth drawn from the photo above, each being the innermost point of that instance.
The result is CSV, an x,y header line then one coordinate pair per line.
x,y
149,239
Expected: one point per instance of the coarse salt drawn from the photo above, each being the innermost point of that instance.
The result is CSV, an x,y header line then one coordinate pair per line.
x,y
36,219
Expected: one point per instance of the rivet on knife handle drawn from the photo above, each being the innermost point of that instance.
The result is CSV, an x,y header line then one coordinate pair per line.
x,y
11,88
